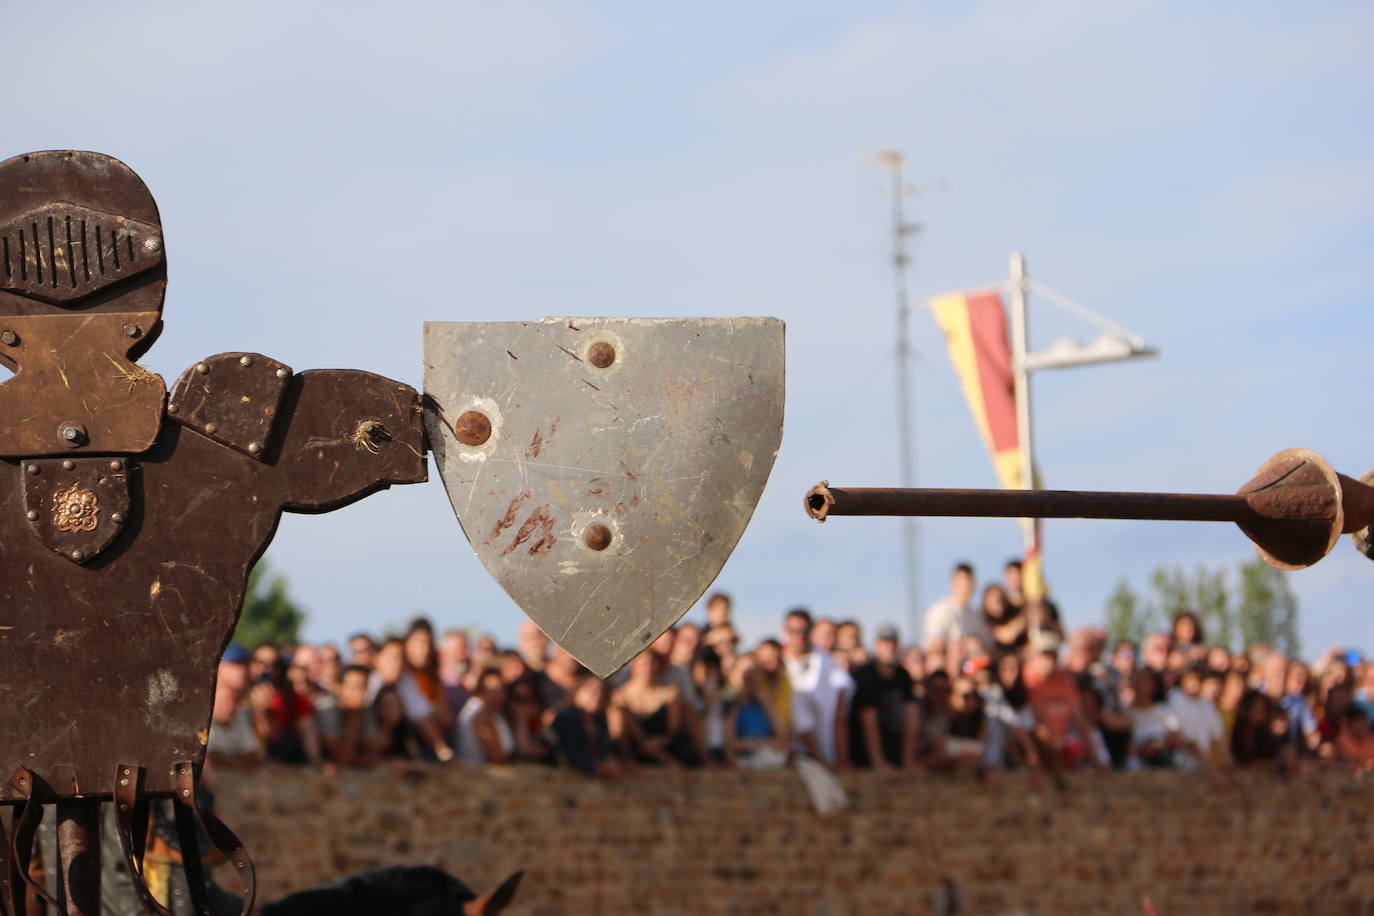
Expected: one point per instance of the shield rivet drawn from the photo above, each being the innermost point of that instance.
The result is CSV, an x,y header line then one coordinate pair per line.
x,y
73,434
202,368
78,556
597,537
245,361
116,465
152,243
601,354
9,338
282,373
117,517
69,465
473,428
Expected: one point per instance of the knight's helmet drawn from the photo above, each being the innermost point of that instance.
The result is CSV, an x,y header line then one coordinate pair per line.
x,y
82,278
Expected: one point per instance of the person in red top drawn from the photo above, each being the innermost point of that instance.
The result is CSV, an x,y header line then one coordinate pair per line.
x,y
285,718
1060,727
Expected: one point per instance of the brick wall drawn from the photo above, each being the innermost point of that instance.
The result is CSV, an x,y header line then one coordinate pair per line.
x,y
749,842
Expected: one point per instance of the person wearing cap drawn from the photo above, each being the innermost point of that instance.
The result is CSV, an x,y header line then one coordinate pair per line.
x,y
234,742
883,719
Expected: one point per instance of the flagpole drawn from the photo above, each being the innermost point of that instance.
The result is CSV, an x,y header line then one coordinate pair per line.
x,y
1020,332
906,419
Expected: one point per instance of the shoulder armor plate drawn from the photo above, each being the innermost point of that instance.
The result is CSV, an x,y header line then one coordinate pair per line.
x,y
232,398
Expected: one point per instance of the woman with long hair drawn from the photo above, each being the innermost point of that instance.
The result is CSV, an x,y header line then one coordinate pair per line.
x,y
1186,631
396,737
582,731
1006,703
422,661
1005,620
652,711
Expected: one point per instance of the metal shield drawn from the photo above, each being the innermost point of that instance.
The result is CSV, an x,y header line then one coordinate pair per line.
x,y
604,468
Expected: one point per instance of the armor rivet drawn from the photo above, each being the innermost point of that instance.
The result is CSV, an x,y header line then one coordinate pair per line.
x,y
254,448
117,517
123,807
185,792
32,515
202,368
473,428
126,772
33,469
78,556
171,408
211,427
68,465
282,373
9,338
597,537
601,354
152,243
131,330
124,782
245,361
116,465
72,433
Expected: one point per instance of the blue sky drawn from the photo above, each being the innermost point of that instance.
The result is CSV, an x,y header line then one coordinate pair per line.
x,y
331,175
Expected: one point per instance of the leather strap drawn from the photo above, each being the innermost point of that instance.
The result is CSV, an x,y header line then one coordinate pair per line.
x,y
33,790
8,878
188,817
131,821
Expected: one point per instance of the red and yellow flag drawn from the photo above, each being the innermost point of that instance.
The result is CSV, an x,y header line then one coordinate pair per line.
x,y
975,328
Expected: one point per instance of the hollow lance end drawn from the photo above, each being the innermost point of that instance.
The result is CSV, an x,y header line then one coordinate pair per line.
x,y
819,500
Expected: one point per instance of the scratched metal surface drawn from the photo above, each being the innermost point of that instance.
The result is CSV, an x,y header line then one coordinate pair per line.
x,y
659,458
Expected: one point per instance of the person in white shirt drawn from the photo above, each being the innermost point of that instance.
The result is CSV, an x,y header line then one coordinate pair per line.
x,y
952,623
820,693
1199,723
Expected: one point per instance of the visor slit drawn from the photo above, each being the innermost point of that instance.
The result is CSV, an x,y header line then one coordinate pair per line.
x,y
85,261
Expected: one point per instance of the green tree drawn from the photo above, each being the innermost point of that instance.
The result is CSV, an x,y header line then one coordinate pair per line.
x,y
269,614
1125,618
1268,609
1204,592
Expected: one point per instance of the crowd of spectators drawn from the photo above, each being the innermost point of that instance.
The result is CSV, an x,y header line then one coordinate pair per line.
x,y
993,684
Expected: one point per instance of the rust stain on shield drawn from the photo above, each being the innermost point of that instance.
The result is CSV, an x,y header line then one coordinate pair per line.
x,y
619,461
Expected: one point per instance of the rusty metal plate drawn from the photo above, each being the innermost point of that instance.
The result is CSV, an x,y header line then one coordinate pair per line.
x,y
233,398
76,506
603,469
113,661
60,251
74,372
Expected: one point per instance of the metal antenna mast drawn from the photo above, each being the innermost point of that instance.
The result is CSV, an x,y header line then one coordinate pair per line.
x,y
895,163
